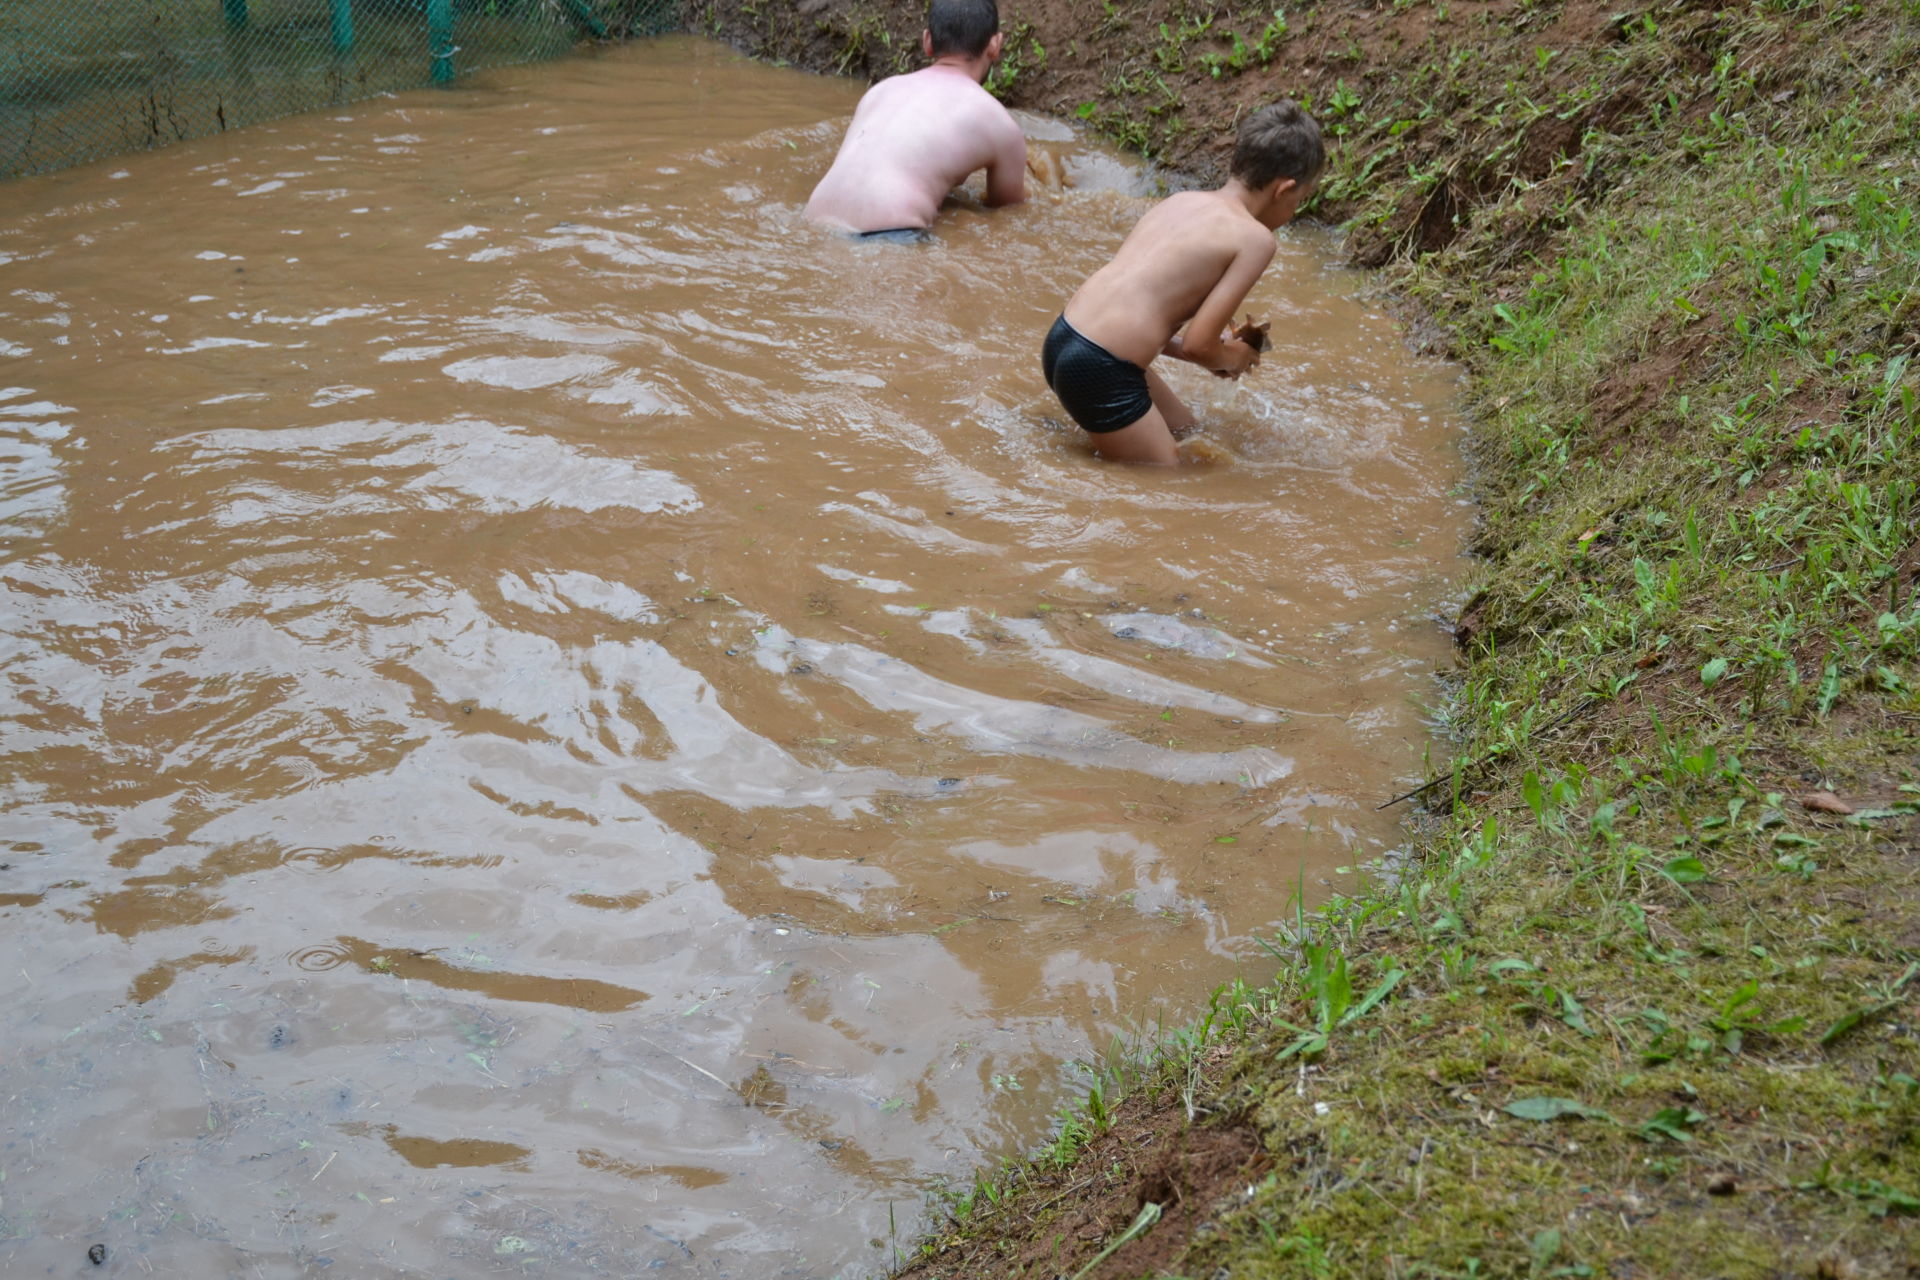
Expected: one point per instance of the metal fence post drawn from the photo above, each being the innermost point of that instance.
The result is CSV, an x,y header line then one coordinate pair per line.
x,y
343,26
440,38
583,14
236,11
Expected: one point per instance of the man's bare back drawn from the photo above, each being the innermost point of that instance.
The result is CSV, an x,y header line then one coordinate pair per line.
x,y
913,139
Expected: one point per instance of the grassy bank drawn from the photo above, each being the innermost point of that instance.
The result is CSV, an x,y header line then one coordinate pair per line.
x,y
1645,1003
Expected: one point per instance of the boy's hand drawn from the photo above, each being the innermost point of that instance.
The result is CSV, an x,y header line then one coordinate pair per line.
x,y
1210,333
1232,359
1254,335
1236,357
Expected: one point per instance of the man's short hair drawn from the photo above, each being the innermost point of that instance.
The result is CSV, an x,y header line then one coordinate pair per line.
x,y
962,26
1278,141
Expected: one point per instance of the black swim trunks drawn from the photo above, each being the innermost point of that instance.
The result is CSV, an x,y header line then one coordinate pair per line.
x,y
898,235
1101,391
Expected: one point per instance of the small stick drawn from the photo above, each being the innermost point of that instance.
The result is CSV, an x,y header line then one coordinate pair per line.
x,y
683,1062
1429,785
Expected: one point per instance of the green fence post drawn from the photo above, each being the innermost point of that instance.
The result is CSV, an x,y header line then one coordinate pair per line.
x,y
440,38
343,26
583,14
236,11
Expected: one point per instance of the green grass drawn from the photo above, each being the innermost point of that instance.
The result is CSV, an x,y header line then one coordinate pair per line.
x,y
1634,1009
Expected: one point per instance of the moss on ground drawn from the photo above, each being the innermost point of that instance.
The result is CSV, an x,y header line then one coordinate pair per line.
x,y
1645,1002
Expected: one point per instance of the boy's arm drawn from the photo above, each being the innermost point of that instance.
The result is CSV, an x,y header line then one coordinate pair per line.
x,y
1177,348
1007,163
1206,341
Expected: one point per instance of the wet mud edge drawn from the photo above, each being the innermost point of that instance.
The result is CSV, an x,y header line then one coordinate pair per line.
x,y
1153,1154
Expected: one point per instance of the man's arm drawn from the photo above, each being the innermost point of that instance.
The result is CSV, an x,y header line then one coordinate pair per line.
x,y
1007,163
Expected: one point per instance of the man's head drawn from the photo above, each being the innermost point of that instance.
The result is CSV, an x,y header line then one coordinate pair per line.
x,y
962,28
1279,143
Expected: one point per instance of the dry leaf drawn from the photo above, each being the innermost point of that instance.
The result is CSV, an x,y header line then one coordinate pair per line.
x,y
1825,802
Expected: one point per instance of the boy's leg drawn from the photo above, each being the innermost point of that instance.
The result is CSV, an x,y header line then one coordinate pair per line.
x,y
1179,419
1147,439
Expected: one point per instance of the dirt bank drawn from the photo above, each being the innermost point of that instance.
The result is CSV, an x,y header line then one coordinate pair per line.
x,y
1645,1003
1440,110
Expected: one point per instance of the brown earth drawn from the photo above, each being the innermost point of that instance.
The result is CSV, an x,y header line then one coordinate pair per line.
x,y
1131,69
1423,154
1151,1155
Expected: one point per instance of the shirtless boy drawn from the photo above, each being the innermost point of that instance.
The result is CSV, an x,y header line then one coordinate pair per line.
x,y
1190,261
916,137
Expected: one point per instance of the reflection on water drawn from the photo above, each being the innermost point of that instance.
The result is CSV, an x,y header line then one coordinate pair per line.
x,y
560,719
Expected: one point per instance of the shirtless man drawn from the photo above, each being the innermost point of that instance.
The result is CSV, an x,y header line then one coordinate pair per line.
x,y
916,137
1190,261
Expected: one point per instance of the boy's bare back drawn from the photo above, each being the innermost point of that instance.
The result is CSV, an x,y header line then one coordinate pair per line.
x,y
1189,262
1193,257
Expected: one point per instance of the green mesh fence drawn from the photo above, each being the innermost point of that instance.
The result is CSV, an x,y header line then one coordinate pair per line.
x,y
80,79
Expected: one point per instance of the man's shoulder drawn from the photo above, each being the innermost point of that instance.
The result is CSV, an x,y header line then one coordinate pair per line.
x,y
906,85
951,103
892,86
950,91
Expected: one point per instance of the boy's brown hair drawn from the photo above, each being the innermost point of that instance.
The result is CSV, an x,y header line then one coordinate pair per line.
x,y
1278,141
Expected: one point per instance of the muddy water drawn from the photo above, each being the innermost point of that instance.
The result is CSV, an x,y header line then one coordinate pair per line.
x,y
560,720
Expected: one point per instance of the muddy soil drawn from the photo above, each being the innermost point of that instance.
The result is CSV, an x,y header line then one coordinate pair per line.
x,y
1171,78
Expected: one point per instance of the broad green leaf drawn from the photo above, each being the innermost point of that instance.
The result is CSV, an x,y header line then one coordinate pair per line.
x,y
1685,870
1531,792
1671,1122
1847,1022
1376,995
1552,1109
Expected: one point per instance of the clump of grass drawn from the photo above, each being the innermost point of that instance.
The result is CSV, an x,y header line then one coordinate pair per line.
x,y
1023,56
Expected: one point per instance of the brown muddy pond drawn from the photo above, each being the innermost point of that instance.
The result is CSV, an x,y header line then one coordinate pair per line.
x,y
560,720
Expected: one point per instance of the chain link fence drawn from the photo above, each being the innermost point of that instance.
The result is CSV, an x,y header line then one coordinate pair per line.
x,y
80,79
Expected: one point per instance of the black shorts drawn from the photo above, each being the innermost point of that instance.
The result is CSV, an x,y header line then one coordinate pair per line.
x,y
1100,390
898,235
